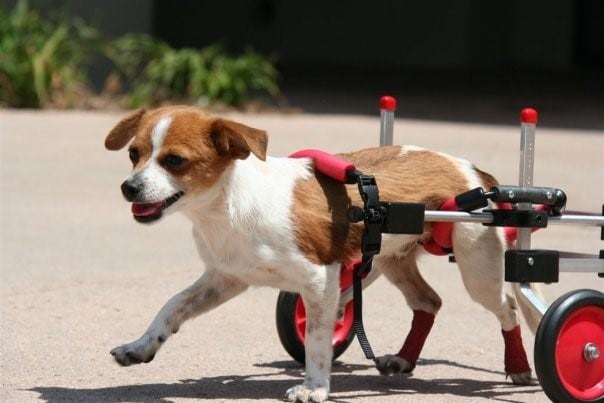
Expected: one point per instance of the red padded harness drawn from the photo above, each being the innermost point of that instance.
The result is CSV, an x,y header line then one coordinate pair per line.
x,y
328,164
441,242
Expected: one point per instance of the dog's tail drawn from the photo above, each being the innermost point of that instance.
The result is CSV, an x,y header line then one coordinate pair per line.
x,y
531,313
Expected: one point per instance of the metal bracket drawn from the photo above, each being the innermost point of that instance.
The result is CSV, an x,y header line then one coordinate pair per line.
x,y
535,266
403,218
518,218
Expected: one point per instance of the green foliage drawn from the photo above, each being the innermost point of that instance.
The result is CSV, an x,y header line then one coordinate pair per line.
x,y
198,75
42,61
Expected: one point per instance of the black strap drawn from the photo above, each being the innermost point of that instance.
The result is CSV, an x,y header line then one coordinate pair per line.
x,y
357,295
371,241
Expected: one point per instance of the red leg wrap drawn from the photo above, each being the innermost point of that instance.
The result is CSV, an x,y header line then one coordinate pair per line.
x,y
420,328
515,356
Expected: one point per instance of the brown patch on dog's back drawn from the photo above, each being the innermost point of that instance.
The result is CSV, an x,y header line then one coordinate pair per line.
x,y
371,157
323,231
321,225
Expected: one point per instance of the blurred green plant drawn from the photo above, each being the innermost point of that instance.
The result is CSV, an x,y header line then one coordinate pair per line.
x,y
43,63
159,73
42,60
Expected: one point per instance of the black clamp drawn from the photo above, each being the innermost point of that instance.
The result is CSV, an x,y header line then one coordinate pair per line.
x,y
372,215
534,266
518,218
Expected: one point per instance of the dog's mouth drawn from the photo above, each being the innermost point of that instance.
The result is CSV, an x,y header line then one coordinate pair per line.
x,y
148,212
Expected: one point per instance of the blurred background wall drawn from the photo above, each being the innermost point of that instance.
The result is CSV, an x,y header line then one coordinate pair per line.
x,y
530,50
384,33
387,33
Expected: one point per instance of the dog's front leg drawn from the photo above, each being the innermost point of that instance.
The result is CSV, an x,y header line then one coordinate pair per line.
x,y
320,301
212,289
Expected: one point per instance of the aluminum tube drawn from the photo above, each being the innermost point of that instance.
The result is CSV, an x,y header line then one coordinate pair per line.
x,y
486,218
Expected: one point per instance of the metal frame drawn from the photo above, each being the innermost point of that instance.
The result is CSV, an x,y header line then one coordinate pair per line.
x,y
569,262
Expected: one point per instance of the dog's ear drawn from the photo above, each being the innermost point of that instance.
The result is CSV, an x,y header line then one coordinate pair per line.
x,y
123,132
237,140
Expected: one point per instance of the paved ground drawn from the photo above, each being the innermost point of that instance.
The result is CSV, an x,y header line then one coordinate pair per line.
x,y
79,276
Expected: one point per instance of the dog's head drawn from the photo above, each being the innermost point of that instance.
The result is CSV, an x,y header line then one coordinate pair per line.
x,y
178,152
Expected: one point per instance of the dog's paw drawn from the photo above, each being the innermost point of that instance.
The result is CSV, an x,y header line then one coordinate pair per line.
x,y
137,352
391,364
523,378
303,394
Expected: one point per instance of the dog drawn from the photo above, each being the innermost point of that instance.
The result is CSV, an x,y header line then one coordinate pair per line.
x,y
278,222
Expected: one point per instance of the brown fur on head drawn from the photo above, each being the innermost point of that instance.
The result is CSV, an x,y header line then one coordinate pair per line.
x,y
180,150
121,134
229,137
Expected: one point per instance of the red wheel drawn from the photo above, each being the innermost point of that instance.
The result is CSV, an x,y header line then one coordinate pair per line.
x,y
291,321
291,325
580,337
341,331
569,348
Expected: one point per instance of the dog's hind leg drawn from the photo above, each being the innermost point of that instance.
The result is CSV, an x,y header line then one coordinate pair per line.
x,y
403,272
320,296
479,251
212,289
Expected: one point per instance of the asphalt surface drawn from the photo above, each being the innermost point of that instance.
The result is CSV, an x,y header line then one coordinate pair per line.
x,y
80,277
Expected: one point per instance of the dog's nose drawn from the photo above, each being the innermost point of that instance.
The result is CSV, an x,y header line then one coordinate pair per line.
x,y
130,190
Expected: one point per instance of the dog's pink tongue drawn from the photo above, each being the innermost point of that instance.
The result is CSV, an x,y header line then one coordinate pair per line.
x,y
145,209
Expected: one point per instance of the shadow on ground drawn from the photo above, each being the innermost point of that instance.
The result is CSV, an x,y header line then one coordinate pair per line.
x,y
264,386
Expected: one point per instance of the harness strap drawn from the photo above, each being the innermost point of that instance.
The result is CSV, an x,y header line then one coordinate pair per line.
x,y
360,268
371,243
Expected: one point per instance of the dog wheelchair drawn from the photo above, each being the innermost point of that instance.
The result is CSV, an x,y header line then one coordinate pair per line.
x,y
568,356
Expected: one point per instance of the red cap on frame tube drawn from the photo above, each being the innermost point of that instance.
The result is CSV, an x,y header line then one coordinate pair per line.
x,y
528,115
388,103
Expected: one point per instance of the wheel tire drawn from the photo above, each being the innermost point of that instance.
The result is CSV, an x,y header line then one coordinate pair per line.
x,y
291,324
571,322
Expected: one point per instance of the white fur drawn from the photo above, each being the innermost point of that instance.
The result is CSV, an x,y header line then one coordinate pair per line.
x,y
159,184
158,134
410,148
238,225
239,231
483,282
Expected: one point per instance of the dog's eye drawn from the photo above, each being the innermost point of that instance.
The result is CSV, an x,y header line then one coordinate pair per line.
x,y
173,161
134,155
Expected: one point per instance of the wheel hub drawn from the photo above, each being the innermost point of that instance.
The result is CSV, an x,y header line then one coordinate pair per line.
x,y
591,352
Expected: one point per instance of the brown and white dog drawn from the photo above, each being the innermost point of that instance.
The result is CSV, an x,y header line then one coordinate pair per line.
x,y
276,222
